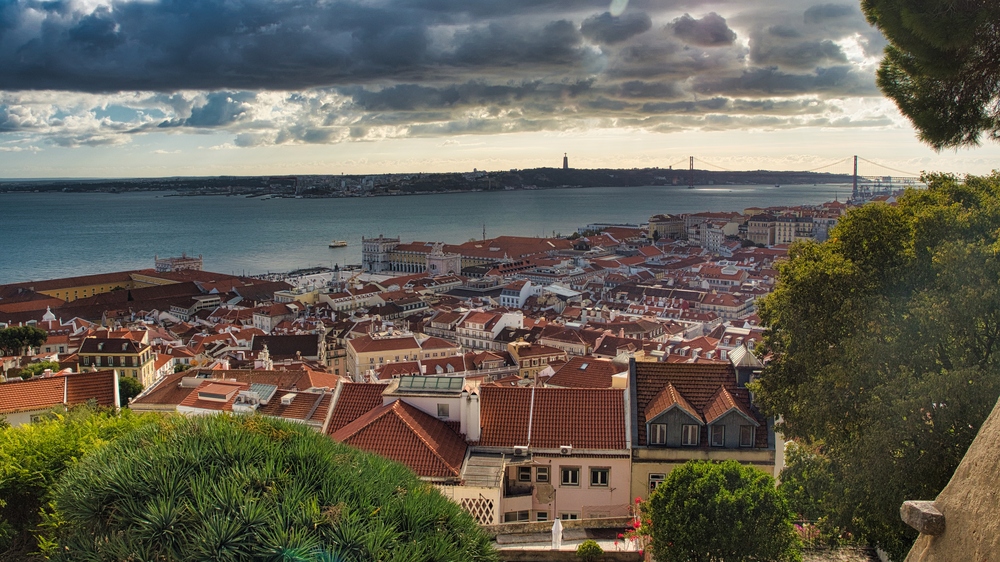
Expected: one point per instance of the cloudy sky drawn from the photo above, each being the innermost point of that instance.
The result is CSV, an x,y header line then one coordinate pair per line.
x,y
190,87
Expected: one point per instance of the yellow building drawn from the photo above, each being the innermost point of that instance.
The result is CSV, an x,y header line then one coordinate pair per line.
x,y
128,358
532,358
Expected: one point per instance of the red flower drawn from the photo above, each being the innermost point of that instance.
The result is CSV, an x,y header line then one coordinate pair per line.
x,y
638,500
621,535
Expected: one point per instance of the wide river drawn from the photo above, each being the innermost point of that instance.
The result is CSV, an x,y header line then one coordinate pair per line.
x,y
51,235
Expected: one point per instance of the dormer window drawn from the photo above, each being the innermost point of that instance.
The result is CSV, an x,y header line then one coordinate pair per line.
x,y
718,435
690,435
658,433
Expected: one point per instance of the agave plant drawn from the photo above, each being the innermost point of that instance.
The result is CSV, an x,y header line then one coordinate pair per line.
x,y
251,488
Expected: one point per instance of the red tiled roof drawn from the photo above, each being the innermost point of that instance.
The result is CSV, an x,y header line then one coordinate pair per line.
x,y
355,399
38,394
48,392
193,400
597,374
425,444
667,398
722,404
395,370
586,418
698,384
365,344
311,404
437,343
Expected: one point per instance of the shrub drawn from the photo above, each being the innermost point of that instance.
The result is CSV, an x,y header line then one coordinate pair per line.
x,y
32,457
252,488
589,550
721,512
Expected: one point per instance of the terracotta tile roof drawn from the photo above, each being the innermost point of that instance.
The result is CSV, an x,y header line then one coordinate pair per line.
x,y
230,389
698,383
21,396
365,344
396,370
70,389
99,386
355,399
425,444
586,418
668,398
437,343
584,372
311,405
722,404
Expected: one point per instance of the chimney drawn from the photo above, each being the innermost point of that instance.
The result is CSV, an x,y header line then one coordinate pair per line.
x,y
473,427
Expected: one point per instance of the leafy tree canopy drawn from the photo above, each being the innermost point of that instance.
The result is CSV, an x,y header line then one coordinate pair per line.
x,y
15,339
708,512
34,369
252,488
940,67
32,457
128,388
885,342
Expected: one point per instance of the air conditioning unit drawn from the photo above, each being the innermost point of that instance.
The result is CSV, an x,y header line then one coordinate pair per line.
x,y
520,451
565,450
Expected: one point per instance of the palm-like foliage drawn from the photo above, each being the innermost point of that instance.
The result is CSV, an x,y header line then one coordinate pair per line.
x,y
249,488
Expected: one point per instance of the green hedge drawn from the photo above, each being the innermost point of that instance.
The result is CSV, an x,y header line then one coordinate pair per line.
x,y
251,488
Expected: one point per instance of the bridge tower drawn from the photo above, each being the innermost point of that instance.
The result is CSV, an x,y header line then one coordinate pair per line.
x,y
690,171
855,192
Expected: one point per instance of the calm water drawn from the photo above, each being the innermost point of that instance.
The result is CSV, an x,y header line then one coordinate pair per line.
x,y
50,235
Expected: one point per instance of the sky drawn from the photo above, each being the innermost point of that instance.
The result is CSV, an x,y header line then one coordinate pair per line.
x,y
153,88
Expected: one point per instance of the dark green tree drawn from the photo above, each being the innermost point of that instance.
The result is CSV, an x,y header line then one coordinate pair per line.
x,y
16,339
941,66
128,388
252,488
32,457
34,369
885,343
721,512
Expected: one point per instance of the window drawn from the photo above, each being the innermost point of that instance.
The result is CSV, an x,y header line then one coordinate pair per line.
x,y
718,436
657,434
524,474
571,476
542,474
690,435
515,516
442,410
599,476
746,436
569,516
655,479
541,516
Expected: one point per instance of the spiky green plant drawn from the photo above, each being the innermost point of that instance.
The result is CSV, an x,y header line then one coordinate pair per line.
x,y
252,488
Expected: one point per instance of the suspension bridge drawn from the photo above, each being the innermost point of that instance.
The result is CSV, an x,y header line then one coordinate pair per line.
x,y
868,178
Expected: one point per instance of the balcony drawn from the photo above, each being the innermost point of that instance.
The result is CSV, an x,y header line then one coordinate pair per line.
x,y
514,490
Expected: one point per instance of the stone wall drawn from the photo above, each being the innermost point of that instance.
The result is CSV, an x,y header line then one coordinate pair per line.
x,y
970,504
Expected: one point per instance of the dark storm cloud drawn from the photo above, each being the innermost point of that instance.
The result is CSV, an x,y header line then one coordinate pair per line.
x,y
824,12
607,29
556,43
326,71
709,31
769,82
783,46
